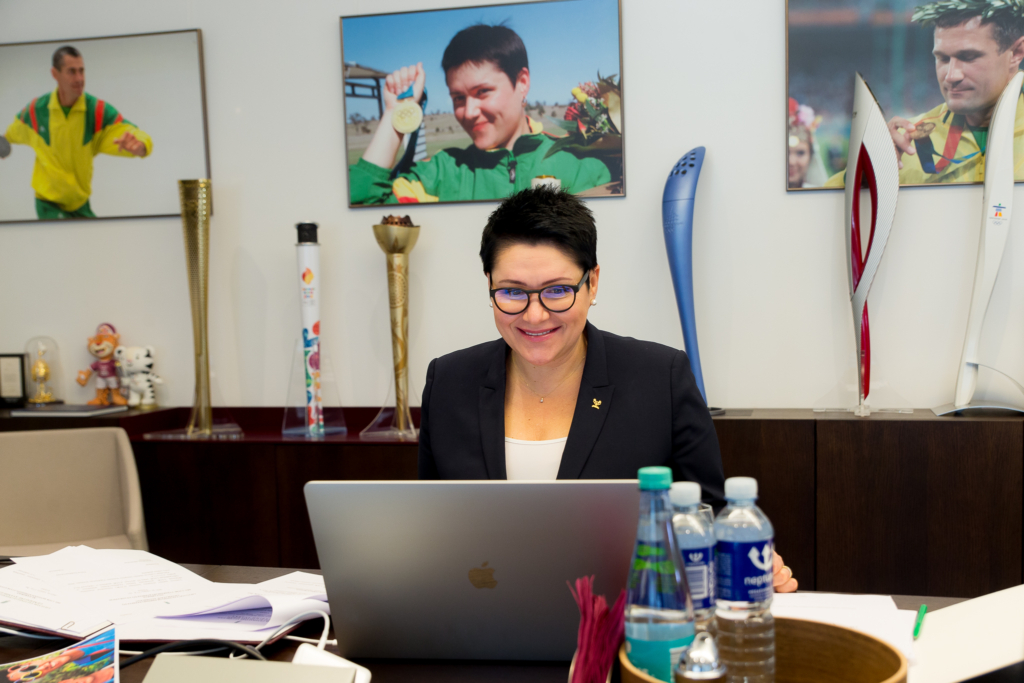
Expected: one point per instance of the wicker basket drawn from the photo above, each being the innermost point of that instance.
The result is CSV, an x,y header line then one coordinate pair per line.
x,y
812,652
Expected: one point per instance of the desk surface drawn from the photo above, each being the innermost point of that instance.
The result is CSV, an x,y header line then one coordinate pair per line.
x,y
412,671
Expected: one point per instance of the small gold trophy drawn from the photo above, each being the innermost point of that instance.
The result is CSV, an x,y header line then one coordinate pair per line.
x,y
42,361
396,236
41,375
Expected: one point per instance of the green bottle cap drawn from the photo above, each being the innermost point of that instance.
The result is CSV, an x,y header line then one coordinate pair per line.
x,y
654,478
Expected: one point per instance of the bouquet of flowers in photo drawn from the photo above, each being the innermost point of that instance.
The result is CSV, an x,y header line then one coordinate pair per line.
x,y
594,123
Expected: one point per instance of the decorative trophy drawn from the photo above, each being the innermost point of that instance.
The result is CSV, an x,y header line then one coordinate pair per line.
x,y
43,368
677,220
196,206
871,162
396,236
995,226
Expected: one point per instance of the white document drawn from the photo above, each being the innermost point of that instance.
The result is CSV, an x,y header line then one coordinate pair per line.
x,y
27,600
169,630
260,611
78,590
875,615
255,606
121,585
299,584
971,638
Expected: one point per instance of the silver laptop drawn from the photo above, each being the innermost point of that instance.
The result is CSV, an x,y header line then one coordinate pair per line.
x,y
468,570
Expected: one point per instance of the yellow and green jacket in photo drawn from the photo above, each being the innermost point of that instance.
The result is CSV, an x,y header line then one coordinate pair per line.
x,y
455,174
66,144
952,152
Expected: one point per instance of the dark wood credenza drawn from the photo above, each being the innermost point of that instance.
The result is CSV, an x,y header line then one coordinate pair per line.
x,y
892,503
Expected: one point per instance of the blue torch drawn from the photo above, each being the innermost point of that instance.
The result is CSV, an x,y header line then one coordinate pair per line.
x,y
677,219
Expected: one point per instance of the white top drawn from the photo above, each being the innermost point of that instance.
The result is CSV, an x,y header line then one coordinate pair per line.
x,y
535,460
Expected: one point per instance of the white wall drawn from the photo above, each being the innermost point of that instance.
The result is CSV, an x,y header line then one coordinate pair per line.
x,y
772,299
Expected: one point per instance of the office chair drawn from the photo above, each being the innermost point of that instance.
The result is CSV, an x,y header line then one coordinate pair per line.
x,y
64,487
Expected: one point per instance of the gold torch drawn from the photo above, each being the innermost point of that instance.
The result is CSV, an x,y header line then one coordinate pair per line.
x,y
396,236
196,206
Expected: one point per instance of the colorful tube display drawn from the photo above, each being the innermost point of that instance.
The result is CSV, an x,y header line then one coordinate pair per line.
x,y
308,252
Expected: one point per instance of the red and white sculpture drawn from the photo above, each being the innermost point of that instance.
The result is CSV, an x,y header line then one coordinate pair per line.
x,y
872,163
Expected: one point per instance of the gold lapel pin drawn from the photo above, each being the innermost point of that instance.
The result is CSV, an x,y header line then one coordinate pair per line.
x,y
597,405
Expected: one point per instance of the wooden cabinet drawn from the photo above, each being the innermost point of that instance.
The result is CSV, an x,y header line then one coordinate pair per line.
x,y
779,453
893,503
919,505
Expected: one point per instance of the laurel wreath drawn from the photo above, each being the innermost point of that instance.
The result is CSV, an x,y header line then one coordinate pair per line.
x,y
985,8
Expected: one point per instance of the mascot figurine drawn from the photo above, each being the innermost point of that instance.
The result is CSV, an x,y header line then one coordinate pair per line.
x,y
107,385
136,364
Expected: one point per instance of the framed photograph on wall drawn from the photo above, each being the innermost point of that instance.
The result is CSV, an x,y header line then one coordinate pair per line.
x,y
473,104
12,380
936,68
101,127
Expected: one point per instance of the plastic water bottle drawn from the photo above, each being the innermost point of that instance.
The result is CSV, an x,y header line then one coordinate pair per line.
x,y
743,626
696,540
659,615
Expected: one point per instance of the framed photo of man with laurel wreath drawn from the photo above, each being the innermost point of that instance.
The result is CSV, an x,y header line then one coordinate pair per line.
x,y
937,70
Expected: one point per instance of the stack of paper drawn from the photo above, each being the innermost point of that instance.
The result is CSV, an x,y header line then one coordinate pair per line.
x,y
971,638
875,615
78,590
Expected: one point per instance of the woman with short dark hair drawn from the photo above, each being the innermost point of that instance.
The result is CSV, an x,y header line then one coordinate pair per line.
x,y
488,77
556,397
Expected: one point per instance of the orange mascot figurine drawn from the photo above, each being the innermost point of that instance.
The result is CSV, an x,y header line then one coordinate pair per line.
x,y
107,384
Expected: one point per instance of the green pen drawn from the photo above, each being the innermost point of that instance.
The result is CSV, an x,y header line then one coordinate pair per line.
x,y
920,620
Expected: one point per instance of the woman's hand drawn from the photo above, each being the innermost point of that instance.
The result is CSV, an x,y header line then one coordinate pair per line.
x,y
782,576
398,82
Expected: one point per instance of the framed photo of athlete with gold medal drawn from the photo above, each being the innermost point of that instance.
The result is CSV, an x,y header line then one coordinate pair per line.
x,y
936,68
473,104
101,127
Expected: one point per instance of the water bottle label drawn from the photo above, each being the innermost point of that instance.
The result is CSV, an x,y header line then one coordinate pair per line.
x,y
698,576
744,570
653,568
657,658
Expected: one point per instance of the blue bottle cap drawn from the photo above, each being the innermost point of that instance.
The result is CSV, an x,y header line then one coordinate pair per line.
x,y
654,478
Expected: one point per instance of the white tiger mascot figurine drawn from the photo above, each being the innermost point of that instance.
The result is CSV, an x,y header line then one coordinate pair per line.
x,y
136,366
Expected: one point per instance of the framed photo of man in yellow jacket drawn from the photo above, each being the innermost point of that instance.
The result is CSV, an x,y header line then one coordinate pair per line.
x,y
100,127
937,69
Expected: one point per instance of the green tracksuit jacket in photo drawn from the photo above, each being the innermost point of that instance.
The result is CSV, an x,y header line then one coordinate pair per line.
x,y
454,174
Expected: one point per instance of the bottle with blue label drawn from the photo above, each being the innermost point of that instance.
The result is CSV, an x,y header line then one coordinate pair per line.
x,y
743,625
659,614
696,540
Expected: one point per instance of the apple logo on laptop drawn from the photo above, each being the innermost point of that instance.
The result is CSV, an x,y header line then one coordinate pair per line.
x,y
483,577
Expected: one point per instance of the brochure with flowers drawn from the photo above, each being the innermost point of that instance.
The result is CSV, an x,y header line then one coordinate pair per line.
x,y
93,660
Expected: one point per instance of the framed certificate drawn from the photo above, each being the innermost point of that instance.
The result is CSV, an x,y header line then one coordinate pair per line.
x,y
12,379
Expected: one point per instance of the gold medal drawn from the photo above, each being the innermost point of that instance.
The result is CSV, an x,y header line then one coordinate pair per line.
x,y
407,116
922,130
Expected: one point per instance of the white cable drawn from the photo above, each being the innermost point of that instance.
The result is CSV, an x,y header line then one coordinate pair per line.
x,y
311,641
26,634
321,644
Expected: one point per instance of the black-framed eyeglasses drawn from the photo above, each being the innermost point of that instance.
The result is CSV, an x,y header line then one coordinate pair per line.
x,y
555,298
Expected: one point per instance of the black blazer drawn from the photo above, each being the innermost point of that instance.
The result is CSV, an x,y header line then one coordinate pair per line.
x,y
648,412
